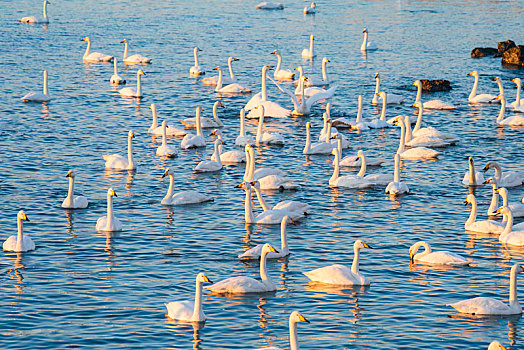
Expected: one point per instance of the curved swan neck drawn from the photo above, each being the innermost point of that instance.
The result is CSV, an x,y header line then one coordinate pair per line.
x,y
359,111
493,206
419,120
198,314
336,170
384,103
20,235
195,54
171,188
498,172
293,338
259,128
219,82
126,46
473,214
130,152
215,114
474,89
396,176
502,109
401,146
263,271
154,125
307,148
407,125
248,208
230,67
45,83
427,249
356,259
283,236
45,9
362,171
279,62
217,151
324,71
261,200
88,48
264,92
419,93
509,224
501,88
197,122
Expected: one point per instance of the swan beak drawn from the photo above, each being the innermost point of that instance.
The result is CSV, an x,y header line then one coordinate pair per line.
x,y
216,68
274,52
240,185
221,104
376,75
302,318
466,202
165,174
114,194
499,210
367,245
123,41
495,79
25,217
470,73
199,49
236,59
503,347
497,190
68,174
272,249
269,67
486,167
411,256
83,39
522,267
206,279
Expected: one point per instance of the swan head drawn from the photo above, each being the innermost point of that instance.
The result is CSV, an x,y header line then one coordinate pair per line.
x,y
496,79
474,73
359,244
492,181
218,104
325,60
197,49
275,52
296,317
202,278
255,184
516,81
360,154
365,30
414,248
417,83
470,160
503,210
216,132
311,37
268,248
152,106
168,172
381,94
491,164
269,67
216,68
131,134
308,125
47,2
495,345
501,98
22,216
111,192
502,191
517,268
140,72
71,174
377,76
470,199
85,39
123,41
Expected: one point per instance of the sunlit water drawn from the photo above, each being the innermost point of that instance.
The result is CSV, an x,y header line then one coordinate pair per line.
x,y
82,288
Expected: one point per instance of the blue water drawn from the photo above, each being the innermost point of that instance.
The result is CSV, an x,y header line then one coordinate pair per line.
x,y
81,288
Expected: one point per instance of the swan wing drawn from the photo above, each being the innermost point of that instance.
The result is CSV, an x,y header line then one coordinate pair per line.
x,y
239,285
286,91
80,202
189,197
254,101
233,157
481,306
116,161
263,172
515,238
292,206
379,179
333,274
443,258
275,182
180,310
397,188
321,96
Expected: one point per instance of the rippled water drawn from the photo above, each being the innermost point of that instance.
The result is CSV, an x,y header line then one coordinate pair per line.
x,y
82,288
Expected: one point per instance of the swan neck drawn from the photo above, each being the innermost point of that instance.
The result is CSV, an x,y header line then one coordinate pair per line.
x,y
307,148
419,94
263,271
88,48
324,72
45,10
264,92
138,85
473,214
504,198
261,200
217,152
336,170
328,132
502,108
362,171
259,128
509,225
377,84
242,122
419,120
472,175
197,122
409,135
215,115
474,89
513,301
293,339
248,164
171,187
230,66
401,146
164,136
279,63
219,82
384,103
45,83
498,173
195,54
71,191
110,215
356,260
198,314
359,111
248,208
494,200
252,165
126,46
115,69
517,99
501,88
364,42
283,236
396,175
130,153
20,235
311,46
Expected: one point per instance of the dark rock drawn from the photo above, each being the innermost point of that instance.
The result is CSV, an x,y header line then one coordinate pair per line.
x,y
435,85
514,56
483,51
504,46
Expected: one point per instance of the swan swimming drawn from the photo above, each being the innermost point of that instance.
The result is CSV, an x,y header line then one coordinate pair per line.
x,y
287,205
212,81
243,285
156,130
506,178
196,69
189,310
242,139
35,96
206,123
71,202
192,140
115,78
472,177
355,161
317,147
109,223
233,88
206,166
20,242
514,120
367,45
116,161
381,122
508,235
416,152
375,179
495,345
347,181
391,98
433,104
339,274
397,187
311,81
518,103
311,9
294,318
133,59
131,91
358,125
183,197
482,98
269,178
266,137
423,140
271,109
431,131
517,209
435,258
229,157
491,306
256,251
165,150
34,19
309,53
94,56
281,74
270,6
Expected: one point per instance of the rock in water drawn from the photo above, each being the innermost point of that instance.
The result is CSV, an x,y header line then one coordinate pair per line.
x,y
514,56
504,46
483,52
435,85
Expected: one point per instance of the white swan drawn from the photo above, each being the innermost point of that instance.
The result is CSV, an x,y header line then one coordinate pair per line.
x,y
397,187
376,179
71,202
309,53
212,81
206,123
354,161
206,166
270,6
233,88
340,274
416,152
133,59
391,98
482,226
433,104
266,137
294,318
242,139
287,205
472,177
311,9
229,157
431,131
379,123
196,69
156,130
517,104
358,124
303,108
267,217
491,306
165,150
311,82
499,83
192,140
509,235
482,98
494,204
20,242
506,178
115,78
347,181
424,140
328,126
34,19
281,74
317,147
256,251
131,91
517,209
109,223
367,45
271,109
252,174
182,197
116,161
189,310
435,258
514,120
243,285
35,96
495,345
94,56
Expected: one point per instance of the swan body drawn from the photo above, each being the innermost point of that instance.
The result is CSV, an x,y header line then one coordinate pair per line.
x,y
20,242
279,73
131,91
266,137
72,202
494,204
435,258
381,122
183,197
517,209
318,147
210,165
233,88
34,19
433,104
94,56
269,178
376,179
156,130
339,274
397,187
165,150
229,157
309,53
192,140
242,139
518,103
116,161
413,153
423,140
472,177
347,181
189,310
311,9
482,98
267,217
367,45
196,69
288,205
35,96
506,178
508,235
256,251
431,131
514,120
109,223
491,306
243,285
391,98
270,6
133,59
355,161
116,78
206,123
328,130
225,80
271,109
